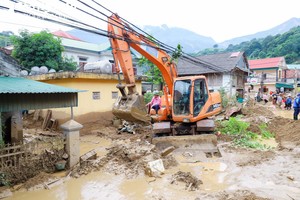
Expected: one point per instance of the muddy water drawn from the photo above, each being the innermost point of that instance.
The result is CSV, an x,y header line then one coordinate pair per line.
x,y
211,173
100,185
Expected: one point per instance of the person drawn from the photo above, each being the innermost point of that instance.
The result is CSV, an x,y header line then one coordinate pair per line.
x,y
296,106
288,103
265,98
274,97
155,103
279,100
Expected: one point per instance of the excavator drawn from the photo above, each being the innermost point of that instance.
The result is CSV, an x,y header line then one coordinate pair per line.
x,y
187,104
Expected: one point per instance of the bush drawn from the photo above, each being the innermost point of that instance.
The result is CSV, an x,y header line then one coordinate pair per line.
x,y
243,137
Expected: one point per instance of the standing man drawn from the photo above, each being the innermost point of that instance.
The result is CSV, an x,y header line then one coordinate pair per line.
x,y
296,106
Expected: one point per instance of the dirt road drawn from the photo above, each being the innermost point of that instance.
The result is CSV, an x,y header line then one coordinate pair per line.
x,y
238,174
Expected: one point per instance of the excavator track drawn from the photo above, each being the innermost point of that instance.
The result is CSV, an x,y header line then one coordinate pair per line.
x,y
197,138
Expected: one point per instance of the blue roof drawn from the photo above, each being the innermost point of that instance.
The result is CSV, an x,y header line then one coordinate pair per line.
x,y
293,66
15,85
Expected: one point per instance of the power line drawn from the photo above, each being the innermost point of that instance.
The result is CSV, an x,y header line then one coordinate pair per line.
x,y
161,46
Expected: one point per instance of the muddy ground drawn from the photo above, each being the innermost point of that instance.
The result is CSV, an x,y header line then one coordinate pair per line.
x,y
121,169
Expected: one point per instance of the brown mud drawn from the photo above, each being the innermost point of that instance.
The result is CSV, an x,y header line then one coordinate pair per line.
x,y
119,170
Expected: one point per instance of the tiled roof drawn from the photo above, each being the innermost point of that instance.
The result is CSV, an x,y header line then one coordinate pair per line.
x,y
292,74
13,85
266,63
226,61
65,35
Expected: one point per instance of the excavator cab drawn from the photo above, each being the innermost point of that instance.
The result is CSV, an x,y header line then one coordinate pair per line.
x,y
190,96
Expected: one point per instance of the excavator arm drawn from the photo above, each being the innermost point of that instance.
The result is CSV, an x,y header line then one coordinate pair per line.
x,y
131,106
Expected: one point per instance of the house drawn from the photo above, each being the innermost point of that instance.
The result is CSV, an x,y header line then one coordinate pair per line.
x,y
292,74
268,73
224,70
98,56
101,91
83,52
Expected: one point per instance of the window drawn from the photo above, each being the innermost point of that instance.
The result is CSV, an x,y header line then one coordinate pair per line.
x,y
114,95
96,95
82,61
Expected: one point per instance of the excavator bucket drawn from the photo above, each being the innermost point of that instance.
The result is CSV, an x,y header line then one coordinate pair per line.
x,y
131,109
195,147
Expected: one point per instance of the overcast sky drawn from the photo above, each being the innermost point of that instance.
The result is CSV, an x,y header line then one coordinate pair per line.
x,y
219,19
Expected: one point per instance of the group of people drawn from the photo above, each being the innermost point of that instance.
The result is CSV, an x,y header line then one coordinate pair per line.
x,y
282,101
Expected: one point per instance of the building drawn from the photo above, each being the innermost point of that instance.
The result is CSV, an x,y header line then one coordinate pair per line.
x,y
99,96
292,74
224,70
19,94
83,52
268,73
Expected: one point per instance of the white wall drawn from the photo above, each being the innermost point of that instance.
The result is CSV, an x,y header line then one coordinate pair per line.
x,y
92,57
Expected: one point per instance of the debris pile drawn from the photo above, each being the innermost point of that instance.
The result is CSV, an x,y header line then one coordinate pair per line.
x,y
191,182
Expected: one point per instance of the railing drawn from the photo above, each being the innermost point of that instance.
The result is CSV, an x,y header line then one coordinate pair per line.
x,y
18,162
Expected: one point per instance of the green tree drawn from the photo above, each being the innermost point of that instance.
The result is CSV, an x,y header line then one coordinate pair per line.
x,y
39,49
154,75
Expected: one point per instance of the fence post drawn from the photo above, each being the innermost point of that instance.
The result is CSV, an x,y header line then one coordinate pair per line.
x,y
71,133
16,128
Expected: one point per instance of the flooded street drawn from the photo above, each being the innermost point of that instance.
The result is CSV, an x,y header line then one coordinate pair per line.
x,y
237,173
98,185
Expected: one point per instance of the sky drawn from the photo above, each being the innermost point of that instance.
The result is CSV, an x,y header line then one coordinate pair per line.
x,y
219,19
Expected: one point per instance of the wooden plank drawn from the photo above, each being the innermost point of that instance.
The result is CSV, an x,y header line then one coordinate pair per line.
x,y
36,115
46,120
11,154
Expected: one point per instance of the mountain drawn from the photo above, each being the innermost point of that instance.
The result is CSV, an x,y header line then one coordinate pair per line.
x,y
282,28
190,41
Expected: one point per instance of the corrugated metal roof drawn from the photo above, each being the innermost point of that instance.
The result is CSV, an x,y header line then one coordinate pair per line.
x,y
85,45
293,66
13,85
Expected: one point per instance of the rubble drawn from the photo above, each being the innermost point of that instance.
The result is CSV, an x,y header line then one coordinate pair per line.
x,y
191,182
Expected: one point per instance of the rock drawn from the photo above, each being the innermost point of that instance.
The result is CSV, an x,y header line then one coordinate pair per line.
x,y
291,178
5,193
65,156
155,168
167,151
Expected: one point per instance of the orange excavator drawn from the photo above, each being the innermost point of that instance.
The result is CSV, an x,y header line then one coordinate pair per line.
x,y
187,103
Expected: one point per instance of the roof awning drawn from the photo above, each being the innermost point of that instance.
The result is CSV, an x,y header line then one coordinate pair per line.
x,y
17,94
284,85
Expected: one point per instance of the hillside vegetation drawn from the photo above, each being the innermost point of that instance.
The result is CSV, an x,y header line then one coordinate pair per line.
x,y
286,44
